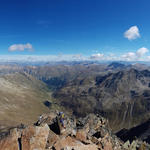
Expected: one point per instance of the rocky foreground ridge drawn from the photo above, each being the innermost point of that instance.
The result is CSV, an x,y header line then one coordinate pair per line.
x,y
89,133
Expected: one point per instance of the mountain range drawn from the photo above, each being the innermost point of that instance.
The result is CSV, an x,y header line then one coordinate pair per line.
x,y
117,91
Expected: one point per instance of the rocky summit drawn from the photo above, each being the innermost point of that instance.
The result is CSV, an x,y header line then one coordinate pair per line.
x,y
89,133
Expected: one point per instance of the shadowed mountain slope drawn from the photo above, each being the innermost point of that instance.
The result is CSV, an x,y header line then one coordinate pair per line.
x,y
123,97
141,132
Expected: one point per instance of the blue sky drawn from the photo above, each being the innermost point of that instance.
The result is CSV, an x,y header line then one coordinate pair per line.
x,y
87,29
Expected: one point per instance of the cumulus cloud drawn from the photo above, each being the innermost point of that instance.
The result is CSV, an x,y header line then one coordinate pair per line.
x,y
139,55
142,51
97,56
130,56
132,33
20,47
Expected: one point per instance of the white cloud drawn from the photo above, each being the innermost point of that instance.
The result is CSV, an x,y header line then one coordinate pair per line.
x,y
97,56
148,58
20,47
142,51
130,56
77,56
41,58
112,57
132,33
139,55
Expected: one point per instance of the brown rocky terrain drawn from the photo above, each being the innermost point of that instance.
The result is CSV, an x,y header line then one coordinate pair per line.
x,y
89,133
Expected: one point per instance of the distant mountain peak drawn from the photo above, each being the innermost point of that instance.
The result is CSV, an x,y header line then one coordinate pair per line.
x,y
116,65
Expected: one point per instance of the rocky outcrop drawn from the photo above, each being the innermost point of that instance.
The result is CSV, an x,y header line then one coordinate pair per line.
x,y
30,138
89,133
11,141
34,137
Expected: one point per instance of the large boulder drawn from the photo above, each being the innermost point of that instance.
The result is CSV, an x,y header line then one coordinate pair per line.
x,y
11,141
35,137
67,141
